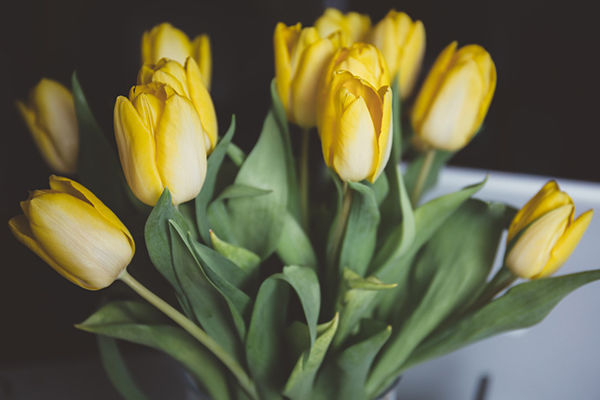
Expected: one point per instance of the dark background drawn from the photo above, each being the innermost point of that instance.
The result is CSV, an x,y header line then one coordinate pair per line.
x,y
543,119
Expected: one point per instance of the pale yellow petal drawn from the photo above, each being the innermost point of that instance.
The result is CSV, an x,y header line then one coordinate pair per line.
x,y
202,54
180,151
167,41
284,40
385,136
203,103
411,58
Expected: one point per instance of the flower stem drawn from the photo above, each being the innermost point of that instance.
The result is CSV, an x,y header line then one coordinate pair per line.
x,y
503,279
194,330
340,227
422,178
303,178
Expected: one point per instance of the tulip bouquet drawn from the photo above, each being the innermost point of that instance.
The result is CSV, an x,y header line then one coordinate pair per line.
x,y
284,280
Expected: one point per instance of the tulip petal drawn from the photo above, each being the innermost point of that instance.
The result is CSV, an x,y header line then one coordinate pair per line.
x,y
284,40
354,25
165,41
202,54
532,250
203,103
384,141
410,59
566,244
180,151
75,189
137,152
19,226
353,154
172,74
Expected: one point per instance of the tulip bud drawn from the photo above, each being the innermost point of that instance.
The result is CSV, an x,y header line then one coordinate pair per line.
x,y
454,99
402,43
355,113
543,234
50,117
353,25
161,143
166,41
75,233
185,81
301,55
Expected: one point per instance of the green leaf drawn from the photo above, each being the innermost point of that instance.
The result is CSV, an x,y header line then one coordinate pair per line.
x,y
294,247
256,222
238,190
208,187
97,164
243,258
360,234
281,118
158,243
522,306
116,369
207,304
380,187
236,154
355,361
300,382
412,170
453,266
265,340
140,323
354,302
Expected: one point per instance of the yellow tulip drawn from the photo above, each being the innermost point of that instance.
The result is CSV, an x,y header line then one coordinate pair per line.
x,y
186,82
355,113
161,143
166,41
50,117
300,58
543,234
454,99
353,25
75,233
402,43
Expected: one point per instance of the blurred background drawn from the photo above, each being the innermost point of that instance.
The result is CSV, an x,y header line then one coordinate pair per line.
x,y
543,119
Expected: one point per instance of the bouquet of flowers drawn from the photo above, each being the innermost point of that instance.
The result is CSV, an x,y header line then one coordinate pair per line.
x,y
293,274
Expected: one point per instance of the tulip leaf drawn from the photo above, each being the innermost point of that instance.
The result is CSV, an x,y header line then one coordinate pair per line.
x,y
256,222
264,342
354,362
208,187
243,258
140,323
240,190
381,188
414,167
452,267
116,369
281,118
300,383
522,306
210,295
158,243
354,301
294,247
360,235
236,154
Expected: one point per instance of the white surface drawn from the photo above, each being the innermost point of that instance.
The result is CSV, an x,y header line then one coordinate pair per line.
x,y
556,359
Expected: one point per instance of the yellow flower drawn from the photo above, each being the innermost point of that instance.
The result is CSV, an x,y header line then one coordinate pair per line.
x,y
353,25
161,143
50,117
455,97
355,113
186,82
543,234
402,43
75,233
166,41
300,58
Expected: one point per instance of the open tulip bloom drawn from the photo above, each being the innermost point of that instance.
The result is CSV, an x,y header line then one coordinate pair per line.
x,y
281,292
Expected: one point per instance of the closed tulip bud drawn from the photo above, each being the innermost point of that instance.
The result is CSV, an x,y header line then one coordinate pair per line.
x,y
166,41
185,81
402,43
161,143
50,117
75,233
301,55
543,234
355,113
454,99
353,25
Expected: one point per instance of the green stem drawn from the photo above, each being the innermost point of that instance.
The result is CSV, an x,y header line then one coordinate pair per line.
x,y
194,330
503,279
422,178
303,178
340,227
